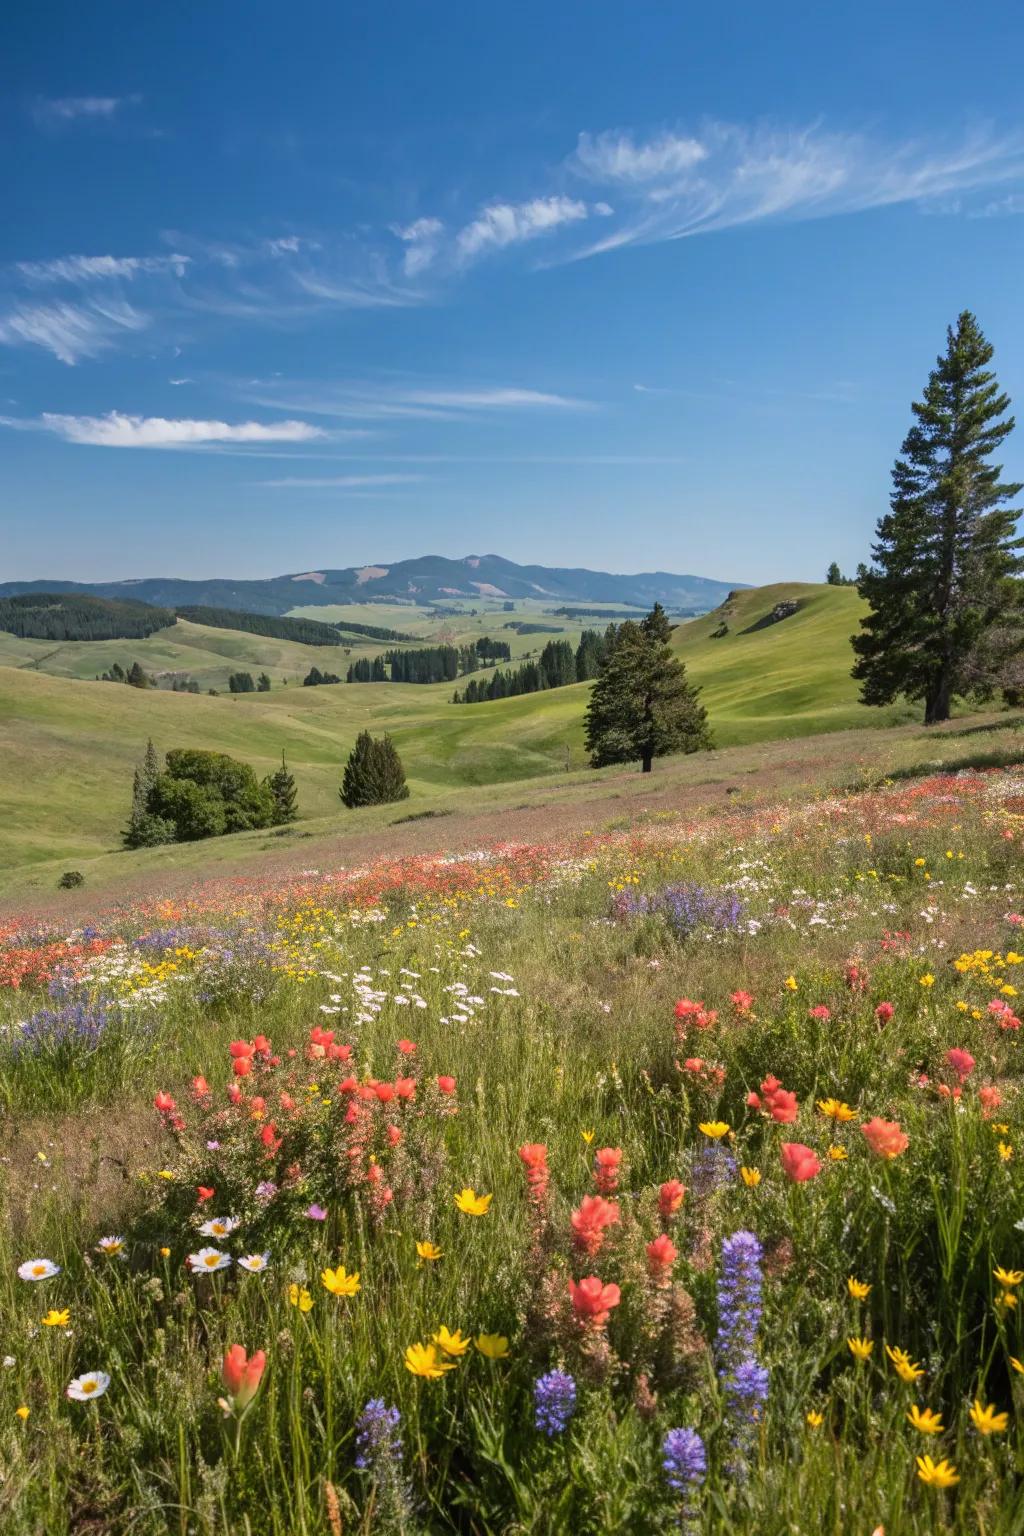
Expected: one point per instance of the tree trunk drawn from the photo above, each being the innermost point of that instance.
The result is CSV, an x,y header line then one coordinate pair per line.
x,y
646,761
937,703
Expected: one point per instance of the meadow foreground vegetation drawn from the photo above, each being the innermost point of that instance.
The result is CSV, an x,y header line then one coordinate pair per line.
x,y
657,1177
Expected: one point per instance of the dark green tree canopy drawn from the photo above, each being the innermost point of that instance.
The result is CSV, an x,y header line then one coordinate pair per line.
x,y
945,615
373,774
642,704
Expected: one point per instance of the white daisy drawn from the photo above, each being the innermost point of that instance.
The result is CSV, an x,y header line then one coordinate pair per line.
x,y
218,1226
208,1259
110,1245
38,1269
255,1263
84,1388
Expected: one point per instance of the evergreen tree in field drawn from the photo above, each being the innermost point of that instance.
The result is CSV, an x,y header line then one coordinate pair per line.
x,y
136,677
144,830
373,774
834,575
282,787
945,616
241,682
642,705
263,683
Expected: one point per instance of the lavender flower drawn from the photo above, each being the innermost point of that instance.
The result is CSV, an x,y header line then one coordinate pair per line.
x,y
685,1461
376,1436
686,908
739,1297
713,1168
379,1453
554,1401
744,1382
316,1213
73,1026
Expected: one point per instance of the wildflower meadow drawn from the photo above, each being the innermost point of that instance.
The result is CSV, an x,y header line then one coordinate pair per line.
x,y
664,1178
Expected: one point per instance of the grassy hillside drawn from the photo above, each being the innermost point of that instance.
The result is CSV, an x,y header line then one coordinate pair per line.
x,y
789,678
69,747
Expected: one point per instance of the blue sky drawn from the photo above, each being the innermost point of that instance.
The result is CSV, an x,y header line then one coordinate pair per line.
x,y
632,286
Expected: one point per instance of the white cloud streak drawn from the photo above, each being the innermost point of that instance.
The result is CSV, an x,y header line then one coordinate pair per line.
x,y
340,482
70,331
410,402
503,224
52,111
79,270
729,175
117,430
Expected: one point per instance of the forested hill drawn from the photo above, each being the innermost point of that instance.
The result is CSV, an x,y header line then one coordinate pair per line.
x,y
80,616
423,581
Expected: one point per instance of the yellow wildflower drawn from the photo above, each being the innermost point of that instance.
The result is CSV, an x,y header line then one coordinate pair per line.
x,y
1008,1277
835,1109
790,984
937,1474
452,1343
472,1204
838,1154
1005,1151
751,1177
815,1420
493,1345
986,1420
423,1360
300,1297
588,1136
926,1420
23,1412
927,980
860,1349
55,1319
428,1251
716,1129
904,1367
858,1289
339,1283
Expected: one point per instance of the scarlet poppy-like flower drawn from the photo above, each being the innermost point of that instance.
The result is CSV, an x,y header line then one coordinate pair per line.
x,y
884,1012
240,1048
591,1220
242,1066
534,1157
741,1001
799,1163
819,1012
885,1138
961,1061
593,1301
164,1103
242,1375
407,1047
385,1092
269,1137
204,1192
784,1107
405,1087
989,1098
446,1084
661,1255
200,1088
394,1135
670,1198
607,1161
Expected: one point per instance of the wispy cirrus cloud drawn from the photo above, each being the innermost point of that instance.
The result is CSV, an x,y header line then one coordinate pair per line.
x,y
380,402
82,270
340,482
57,111
501,224
422,241
673,185
71,331
118,430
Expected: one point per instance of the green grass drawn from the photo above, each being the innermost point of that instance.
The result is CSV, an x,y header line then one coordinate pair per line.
x,y
69,746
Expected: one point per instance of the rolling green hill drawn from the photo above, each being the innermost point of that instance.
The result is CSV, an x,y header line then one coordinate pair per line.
x,y
68,747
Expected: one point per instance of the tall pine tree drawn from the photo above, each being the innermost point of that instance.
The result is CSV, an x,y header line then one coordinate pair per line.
x,y
642,704
282,788
944,614
373,774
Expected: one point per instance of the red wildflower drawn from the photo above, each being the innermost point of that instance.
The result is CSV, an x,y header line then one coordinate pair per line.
x,y
592,1301
407,1047
885,1138
200,1088
446,1084
242,1376
799,1163
961,1061
591,1220
670,1198
164,1103
884,1012
405,1087
661,1255
606,1168
204,1193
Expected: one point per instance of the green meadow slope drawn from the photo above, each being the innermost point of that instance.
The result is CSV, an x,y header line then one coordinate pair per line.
x,y
69,746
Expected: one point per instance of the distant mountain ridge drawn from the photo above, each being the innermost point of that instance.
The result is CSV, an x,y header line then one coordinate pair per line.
x,y
424,581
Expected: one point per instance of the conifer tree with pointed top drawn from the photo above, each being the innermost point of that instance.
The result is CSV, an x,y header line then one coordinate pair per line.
x,y
282,787
945,613
373,774
642,704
